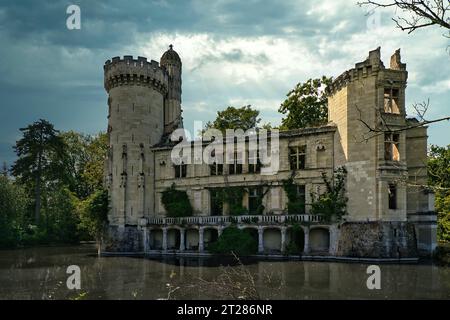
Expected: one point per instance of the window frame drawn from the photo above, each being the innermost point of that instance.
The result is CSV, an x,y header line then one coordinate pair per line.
x,y
298,153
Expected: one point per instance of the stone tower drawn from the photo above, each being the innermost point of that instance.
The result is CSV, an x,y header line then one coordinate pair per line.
x,y
144,105
171,62
371,95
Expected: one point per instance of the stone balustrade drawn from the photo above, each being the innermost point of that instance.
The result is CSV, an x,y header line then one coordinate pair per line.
x,y
222,220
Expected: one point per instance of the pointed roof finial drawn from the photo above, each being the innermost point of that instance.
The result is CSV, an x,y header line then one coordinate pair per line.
x,y
170,47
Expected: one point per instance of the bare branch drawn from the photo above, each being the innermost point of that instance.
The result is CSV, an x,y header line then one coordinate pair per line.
x,y
423,13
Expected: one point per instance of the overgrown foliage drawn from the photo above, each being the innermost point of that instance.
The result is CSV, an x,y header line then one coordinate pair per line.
x,y
439,179
234,240
176,202
57,185
306,105
40,153
94,214
332,204
233,196
295,204
14,204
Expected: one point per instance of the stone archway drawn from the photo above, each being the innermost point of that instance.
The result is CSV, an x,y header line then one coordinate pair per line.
x,y
156,239
210,235
272,240
173,239
295,241
253,232
192,239
319,240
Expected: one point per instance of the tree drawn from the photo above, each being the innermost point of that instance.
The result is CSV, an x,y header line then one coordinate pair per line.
x,y
439,179
419,13
84,162
94,215
75,162
40,153
59,217
13,208
235,118
306,105
93,173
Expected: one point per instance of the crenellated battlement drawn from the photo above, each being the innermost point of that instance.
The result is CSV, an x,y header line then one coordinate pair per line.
x,y
371,66
130,71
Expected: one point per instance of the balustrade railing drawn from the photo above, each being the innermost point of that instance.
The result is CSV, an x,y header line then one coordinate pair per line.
x,y
246,219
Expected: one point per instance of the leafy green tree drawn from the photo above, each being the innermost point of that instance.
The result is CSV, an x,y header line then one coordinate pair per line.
x,y
235,118
75,162
94,215
84,162
13,212
439,180
93,173
306,105
40,157
60,219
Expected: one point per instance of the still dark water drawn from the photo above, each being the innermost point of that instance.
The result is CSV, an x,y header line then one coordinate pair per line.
x,y
40,273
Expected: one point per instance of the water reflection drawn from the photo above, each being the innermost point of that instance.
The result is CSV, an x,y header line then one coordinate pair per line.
x,y
40,273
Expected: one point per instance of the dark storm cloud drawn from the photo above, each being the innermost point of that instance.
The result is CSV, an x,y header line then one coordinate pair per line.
x,y
48,71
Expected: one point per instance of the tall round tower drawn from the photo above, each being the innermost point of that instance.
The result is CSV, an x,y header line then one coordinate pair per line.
x,y
171,62
137,91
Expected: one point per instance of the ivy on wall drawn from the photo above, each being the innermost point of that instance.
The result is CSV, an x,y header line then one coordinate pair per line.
x,y
295,205
332,204
233,197
176,202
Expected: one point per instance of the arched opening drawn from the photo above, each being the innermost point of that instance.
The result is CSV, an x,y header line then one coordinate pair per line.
x,y
254,234
295,241
173,239
319,240
156,239
272,240
192,239
210,236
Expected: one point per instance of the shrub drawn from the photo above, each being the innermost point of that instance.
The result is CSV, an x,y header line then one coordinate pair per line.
x,y
234,240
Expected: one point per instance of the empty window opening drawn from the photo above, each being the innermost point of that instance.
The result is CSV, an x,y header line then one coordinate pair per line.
x,y
391,101
392,196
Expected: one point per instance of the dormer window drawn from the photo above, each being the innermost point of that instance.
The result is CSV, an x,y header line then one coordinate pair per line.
x,y
391,101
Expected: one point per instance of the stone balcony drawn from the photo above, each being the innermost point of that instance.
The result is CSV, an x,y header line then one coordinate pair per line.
x,y
225,220
271,232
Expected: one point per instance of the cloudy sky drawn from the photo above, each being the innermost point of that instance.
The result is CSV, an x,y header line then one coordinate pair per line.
x,y
233,53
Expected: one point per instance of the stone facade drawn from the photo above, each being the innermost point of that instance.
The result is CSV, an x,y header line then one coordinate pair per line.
x,y
390,212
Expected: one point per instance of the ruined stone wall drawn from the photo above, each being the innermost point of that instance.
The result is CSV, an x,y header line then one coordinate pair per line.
x,y
377,240
123,239
319,158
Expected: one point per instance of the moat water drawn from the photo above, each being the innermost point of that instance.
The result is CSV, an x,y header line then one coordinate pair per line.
x,y
40,273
